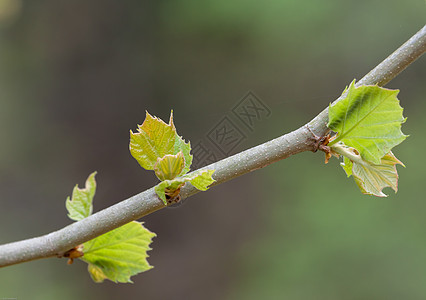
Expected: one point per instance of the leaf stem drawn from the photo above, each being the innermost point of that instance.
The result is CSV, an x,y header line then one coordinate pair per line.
x,y
342,149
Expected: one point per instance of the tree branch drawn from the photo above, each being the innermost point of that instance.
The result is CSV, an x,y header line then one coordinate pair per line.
x,y
142,204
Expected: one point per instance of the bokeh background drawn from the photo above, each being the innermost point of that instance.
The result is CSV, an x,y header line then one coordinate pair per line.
x,y
75,76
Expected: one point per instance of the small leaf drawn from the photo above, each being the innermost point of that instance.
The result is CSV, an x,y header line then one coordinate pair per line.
x,y
368,119
119,254
202,180
80,205
199,179
154,139
373,178
169,166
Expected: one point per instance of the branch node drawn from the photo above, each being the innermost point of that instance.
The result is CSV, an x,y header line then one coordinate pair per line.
x,y
75,252
172,196
319,141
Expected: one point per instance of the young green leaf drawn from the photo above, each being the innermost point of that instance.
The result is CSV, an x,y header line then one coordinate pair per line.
x,y
80,205
169,166
202,179
119,254
368,119
156,139
199,179
371,178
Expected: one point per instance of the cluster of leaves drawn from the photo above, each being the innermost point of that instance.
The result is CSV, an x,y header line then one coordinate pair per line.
x,y
157,146
116,255
121,253
367,123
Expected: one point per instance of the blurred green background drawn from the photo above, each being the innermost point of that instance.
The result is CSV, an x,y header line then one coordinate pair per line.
x,y
75,76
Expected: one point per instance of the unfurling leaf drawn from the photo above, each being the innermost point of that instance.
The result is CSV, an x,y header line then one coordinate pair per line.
x,y
155,139
368,119
169,166
199,179
80,205
119,254
371,178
